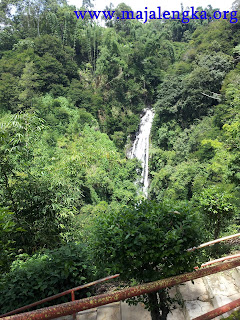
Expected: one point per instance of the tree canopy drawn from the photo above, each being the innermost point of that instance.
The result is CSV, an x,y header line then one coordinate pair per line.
x,y
72,92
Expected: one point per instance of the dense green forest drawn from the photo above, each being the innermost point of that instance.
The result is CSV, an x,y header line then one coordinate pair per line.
x,y
71,95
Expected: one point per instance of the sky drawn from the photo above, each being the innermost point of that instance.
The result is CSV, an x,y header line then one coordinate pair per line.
x,y
153,4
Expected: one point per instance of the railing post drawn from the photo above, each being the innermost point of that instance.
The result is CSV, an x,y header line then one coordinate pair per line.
x,y
73,299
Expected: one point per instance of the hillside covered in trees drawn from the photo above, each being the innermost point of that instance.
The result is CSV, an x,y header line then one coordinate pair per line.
x,y
71,95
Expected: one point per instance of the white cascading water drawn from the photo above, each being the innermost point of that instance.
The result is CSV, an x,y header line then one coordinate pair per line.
x,y
140,148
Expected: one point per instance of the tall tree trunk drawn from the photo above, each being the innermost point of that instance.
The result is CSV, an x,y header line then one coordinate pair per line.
x,y
38,27
163,305
153,301
159,307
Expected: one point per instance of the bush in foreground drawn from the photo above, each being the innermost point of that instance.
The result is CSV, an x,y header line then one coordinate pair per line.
x,y
147,242
44,274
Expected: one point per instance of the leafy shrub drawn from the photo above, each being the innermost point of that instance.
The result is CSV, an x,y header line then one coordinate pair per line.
x,y
217,208
146,241
234,316
44,274
7,228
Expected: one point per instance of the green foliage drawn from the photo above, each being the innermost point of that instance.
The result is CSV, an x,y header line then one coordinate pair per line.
x,y
94,159
196,127
27,84
18,132
49,173
32,278
217,209
82,88
187,97
7,228
145,242
234,316
176,181
62,116
24,191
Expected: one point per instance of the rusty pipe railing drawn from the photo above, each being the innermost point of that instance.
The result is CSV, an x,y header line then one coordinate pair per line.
x,y
70,291
221,310
96,301
210,243
234,256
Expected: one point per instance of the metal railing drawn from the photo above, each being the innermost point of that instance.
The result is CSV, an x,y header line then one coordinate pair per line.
x,y
103,299
234,256
232,305
219,311
61,294
75,306
210,243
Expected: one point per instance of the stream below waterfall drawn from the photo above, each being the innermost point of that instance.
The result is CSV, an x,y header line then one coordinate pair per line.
x,y
140,148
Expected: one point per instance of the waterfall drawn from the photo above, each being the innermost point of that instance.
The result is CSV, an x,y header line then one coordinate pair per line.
x,y
140,148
